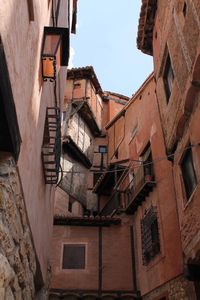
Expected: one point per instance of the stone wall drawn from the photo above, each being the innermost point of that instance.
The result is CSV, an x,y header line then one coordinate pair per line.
x,y
17,255
176,289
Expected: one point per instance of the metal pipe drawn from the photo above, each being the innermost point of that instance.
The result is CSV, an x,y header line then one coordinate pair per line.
x,y
100,262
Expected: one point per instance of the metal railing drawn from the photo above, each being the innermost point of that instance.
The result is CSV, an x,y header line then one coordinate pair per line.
x,y
126,192
51,149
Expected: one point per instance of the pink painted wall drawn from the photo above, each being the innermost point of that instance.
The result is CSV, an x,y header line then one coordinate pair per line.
x,y
22,41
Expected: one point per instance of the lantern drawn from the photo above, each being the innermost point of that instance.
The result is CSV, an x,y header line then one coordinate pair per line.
x,y
55,51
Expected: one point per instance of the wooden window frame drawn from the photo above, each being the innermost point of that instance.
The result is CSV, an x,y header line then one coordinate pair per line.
x,y
187,158
168,77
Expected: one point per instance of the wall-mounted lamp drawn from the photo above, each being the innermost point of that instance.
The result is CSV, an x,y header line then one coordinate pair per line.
x,y
55,51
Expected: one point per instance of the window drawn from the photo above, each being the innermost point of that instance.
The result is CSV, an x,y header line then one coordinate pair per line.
x,y
102,149
150,236
188,172
73,256
168,77
146,158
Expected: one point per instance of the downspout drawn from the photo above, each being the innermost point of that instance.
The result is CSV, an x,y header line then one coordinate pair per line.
x,y
117,147
134,281
100,262
100,253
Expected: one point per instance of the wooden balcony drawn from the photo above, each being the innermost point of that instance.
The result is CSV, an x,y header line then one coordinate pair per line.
x,y
140,187
83,108
112,205
70,147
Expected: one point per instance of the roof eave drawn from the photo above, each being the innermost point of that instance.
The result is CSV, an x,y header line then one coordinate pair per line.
x,y
146,26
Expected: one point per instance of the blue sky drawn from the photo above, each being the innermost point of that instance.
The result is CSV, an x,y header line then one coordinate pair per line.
x,y
106,39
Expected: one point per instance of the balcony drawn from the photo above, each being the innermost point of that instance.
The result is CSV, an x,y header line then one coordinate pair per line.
x,y
139,188
51,149
112,205
70,147
83,108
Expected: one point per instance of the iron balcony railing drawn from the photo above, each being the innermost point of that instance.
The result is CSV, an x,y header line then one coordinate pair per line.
x,y
128,193
51,150
139,188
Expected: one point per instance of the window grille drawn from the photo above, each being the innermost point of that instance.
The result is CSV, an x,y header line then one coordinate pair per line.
x,y
150,236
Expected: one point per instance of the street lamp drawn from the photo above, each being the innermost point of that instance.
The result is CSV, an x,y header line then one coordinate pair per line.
x,y
55,51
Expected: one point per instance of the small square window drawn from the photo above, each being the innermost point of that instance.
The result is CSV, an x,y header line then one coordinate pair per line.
x,y
188,172
102,149
73,256
168,78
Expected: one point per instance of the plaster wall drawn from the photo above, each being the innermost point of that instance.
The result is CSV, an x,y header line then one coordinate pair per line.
x,y
79,131
74,180
22,40
189,209
180,33
143,125
115,275
163,267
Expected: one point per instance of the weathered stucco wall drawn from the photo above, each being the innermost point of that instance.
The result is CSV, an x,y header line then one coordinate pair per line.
x,y
74,180
117,274
22,41
79,131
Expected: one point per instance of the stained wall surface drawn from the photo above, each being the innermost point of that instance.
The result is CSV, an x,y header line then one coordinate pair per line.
x,y
21,36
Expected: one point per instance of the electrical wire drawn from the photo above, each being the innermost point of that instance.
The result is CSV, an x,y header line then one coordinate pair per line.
x,y
140,162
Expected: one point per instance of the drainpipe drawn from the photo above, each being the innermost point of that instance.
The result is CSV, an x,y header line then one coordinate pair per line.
x,y
133,263
100,262
100,253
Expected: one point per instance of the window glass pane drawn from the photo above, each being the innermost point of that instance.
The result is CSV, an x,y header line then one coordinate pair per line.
x,y
168,77
73,256
188,172
102,149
